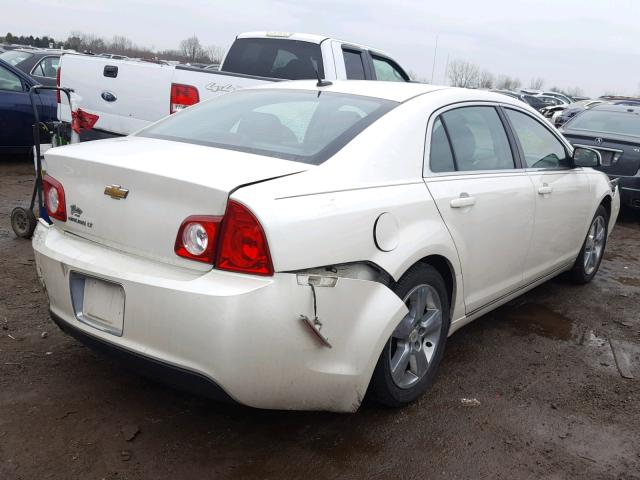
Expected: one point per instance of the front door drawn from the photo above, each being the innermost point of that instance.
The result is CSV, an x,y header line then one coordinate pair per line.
x,y
16,114
486,202
561,192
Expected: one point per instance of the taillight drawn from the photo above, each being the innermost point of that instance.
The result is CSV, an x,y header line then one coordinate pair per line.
x,y
235,242
243,243
182,96
54,198
197,237
58,84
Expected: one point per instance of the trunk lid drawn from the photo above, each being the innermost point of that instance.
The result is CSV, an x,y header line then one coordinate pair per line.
x,y
166,182
620,153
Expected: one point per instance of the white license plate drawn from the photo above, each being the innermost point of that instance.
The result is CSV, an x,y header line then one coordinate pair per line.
x,y
101,304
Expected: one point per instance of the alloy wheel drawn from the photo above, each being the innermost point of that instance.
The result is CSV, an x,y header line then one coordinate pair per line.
x,y
594,245
415,340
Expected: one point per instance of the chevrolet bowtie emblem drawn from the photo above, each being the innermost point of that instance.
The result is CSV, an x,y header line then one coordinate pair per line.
x,y
116,192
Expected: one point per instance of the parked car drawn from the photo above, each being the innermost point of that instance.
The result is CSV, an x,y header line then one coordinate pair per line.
x,y
539,102
16,112
296,246
129,95
562,116
613,130
41,65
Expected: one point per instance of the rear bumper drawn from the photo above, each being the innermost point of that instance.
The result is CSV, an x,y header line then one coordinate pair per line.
x,y
179,377
239,332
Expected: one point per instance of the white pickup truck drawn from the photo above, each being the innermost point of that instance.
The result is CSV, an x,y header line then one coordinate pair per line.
x,y
127,95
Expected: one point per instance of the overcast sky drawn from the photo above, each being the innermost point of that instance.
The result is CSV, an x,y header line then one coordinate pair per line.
x,y
593,44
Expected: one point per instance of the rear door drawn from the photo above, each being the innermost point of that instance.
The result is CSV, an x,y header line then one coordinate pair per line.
x,y
485,199
562,194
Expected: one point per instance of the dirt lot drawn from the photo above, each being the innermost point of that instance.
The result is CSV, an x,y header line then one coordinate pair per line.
x,y
553,401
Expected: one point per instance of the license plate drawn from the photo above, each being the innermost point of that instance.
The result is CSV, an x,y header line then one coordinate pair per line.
x,y
98,303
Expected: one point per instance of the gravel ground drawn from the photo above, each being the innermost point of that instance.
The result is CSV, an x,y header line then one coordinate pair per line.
x,y
553,402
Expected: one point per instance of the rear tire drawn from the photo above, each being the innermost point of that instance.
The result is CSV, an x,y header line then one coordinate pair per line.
x,y
592,251
410,358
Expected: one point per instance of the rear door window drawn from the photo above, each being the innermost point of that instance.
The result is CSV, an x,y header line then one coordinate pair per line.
x,y
478,139
275,58
540,147
354,64
386,70
47,67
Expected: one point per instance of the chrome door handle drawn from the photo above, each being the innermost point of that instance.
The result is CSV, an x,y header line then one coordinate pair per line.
x,y
545,189
465,200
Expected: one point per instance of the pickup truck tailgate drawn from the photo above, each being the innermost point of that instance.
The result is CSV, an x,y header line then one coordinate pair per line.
x,y
124,94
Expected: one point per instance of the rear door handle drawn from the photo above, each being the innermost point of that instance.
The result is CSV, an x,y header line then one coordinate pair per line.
x,y
464,201
545,189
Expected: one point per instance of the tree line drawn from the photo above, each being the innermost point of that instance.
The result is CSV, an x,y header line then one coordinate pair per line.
x,y
465,74
189,50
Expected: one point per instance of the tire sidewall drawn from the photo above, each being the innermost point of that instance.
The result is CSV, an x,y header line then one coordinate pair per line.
x,y
385,389
578,270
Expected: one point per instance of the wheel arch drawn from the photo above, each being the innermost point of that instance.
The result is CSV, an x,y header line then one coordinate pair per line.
x,y
446,270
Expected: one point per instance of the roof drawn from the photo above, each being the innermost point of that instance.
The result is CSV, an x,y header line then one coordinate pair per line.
x,y
395,91
303,37
308,37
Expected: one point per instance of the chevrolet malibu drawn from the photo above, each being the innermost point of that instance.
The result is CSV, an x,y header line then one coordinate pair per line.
x,y
302,245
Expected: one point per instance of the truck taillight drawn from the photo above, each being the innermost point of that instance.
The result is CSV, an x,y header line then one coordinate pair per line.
x,y
58,84
243,243
235,242
54,198
197,238
182,96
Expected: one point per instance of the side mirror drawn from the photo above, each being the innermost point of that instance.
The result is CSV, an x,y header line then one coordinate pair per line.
x,y
586,157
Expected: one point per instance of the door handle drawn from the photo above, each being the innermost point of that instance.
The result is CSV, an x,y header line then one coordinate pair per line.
x,y
465,200
545,189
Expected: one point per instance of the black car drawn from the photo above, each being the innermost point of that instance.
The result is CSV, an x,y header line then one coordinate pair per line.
x,y
41,65
574,109
613,130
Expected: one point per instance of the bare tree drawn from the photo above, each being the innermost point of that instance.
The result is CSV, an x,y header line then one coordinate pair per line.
x,y
505,82
120,44
574,92
536,83
462,73
486,80
215,53
191,48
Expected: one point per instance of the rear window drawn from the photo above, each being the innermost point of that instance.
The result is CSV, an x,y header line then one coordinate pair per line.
x,y
621,123
13,57
299,125
275,58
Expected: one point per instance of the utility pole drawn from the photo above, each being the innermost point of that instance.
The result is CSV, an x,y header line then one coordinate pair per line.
x,y
435,53
446,68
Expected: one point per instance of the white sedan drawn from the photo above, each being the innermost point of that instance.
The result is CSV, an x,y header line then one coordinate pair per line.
x,y
298,246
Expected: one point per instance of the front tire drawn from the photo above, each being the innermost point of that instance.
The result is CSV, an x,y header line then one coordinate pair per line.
x,y
590,256
408,363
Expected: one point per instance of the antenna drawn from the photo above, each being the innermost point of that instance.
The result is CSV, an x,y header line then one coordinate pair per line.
x,y
321,82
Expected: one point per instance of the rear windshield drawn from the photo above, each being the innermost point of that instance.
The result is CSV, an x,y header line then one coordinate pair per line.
x,y
13,57
620,123
275,58
299,125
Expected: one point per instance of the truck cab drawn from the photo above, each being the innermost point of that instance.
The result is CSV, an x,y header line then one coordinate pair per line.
x,y
127,95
